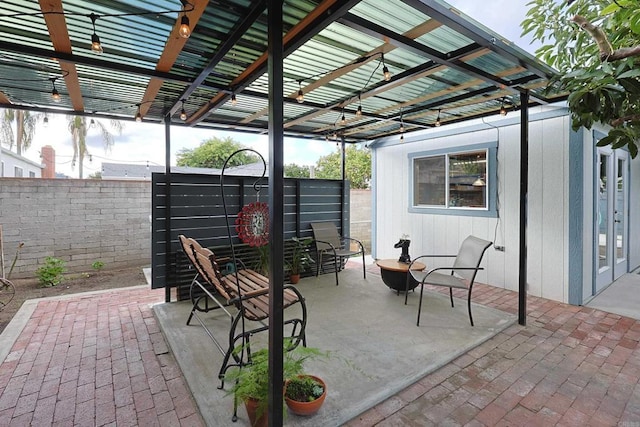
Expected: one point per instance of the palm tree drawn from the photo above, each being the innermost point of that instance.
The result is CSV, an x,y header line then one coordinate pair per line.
x,y
25,128
78,127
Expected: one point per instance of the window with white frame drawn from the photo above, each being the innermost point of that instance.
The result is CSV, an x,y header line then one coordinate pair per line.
x,y
32,174
459,181
17,172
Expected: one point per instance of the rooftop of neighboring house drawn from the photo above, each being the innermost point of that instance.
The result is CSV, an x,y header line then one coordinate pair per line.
x,y
144,171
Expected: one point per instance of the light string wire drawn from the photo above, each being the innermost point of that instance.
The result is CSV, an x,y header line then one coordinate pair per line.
x,y
187,7
325,72
361,59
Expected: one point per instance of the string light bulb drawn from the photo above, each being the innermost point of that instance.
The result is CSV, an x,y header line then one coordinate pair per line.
x,y
55,95
45,121
92,123
503,110
385,70
438,119
300,97
401,123
96,46
359,110
343,119
183,113
234,100
185,29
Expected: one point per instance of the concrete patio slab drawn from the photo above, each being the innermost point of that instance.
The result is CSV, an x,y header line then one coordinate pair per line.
x,y
621,297
377,348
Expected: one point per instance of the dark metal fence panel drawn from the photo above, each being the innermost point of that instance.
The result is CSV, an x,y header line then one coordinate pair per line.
x,y
197,211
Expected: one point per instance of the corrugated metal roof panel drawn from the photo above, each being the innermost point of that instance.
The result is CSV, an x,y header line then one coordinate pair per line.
x,y
337,61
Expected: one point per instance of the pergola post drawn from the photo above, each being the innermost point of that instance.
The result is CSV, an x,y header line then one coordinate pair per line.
x,y
343,174
167,219
524,188
276,211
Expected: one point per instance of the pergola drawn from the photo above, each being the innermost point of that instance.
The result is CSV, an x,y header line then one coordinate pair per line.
x,y
351,70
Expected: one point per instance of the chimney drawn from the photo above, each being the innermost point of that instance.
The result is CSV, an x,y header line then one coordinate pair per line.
x,y
48,155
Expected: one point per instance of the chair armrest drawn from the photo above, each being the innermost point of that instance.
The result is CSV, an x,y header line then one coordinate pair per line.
x,y
452,269
430,256
252,294
351,239
326,243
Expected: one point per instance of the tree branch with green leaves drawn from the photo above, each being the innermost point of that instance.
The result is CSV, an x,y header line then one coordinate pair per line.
x,y
598,61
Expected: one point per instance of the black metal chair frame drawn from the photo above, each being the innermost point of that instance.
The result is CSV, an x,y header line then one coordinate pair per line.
x,y
462,265
337,248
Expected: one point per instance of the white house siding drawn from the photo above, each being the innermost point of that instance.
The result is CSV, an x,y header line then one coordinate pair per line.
x,y
10,160
547,202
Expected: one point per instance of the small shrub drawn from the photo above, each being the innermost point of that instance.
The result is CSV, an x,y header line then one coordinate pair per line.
x,y
50,273
97,265
304,389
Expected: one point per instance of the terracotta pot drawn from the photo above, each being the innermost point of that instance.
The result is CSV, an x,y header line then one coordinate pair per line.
x,y
307,408
294,278
252,408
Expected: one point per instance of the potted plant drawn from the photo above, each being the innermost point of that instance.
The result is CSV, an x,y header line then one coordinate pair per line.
x,y
300,258
251,381
305,394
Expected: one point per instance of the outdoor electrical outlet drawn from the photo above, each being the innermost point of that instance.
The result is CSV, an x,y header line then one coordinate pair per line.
x,y
499,248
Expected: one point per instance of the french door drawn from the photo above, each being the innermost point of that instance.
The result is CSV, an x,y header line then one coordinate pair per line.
x,y
612,215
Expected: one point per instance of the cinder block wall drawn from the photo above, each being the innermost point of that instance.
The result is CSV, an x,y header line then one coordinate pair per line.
x,y
360,223
78,221
82,221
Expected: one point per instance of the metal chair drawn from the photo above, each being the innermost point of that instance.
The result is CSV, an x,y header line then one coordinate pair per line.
x,y
329,242
462,273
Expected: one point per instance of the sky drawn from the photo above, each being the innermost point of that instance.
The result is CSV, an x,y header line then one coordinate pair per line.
x,y
143,143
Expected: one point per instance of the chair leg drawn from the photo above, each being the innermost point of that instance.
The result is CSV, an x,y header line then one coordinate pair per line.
x,y
336,261
364,267
420,304
406,287
318,262
451,296
469,307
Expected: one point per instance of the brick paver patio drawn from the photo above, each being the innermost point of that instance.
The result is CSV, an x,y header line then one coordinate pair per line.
x,y
570,366
94,359
101,360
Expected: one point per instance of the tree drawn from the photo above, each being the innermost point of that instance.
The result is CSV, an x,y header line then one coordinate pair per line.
x,y
595,45
96,175
213,152
25,128
77,125
357,166
293,170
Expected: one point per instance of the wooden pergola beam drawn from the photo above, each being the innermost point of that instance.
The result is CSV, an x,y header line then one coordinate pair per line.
x,y
173,47
322,9
59,35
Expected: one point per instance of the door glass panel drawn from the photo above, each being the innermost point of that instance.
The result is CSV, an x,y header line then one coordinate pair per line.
x,y
603,223
619,211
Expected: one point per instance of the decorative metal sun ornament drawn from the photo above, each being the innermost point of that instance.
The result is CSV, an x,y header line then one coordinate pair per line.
x,y
252,224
